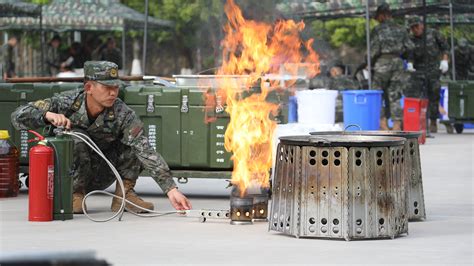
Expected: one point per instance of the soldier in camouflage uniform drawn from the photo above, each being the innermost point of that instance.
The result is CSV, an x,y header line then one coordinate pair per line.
x,y
113,126
7,67
427,61
464,59
389,42
340,83
52,59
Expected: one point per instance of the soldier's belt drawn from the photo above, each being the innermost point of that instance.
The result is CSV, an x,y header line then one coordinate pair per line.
x,y
389,56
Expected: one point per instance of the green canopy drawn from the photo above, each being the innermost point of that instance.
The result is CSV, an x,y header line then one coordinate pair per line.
x,y
331,9
16,8
101,15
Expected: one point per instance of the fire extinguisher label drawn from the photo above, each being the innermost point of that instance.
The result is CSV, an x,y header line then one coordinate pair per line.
x,y
50,181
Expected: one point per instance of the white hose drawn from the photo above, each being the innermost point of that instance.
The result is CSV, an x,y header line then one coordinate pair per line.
x,y
151,213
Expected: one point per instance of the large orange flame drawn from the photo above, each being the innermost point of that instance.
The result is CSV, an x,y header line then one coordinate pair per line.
x,y
256,49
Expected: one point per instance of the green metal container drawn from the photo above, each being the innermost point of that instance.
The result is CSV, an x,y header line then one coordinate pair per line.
x,y
159,109
188,135
64,148
13,95
461,100
203,133
175,123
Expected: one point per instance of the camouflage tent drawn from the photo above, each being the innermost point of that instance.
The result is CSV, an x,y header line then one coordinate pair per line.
x,y
64,15
437,11
15,8
330,9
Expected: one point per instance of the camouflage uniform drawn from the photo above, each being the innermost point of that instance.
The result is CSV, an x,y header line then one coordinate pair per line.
x,y
117,131
341,83
464,59
389,42
428,66
52,60
8,64
112,55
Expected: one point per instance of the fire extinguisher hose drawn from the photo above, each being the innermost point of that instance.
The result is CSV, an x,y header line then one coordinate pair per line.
x,y
151,213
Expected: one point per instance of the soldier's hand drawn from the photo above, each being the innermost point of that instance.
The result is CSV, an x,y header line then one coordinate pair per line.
x,y
58,120
178,200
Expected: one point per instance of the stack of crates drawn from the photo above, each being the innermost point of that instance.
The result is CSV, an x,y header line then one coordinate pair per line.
x,y
189,135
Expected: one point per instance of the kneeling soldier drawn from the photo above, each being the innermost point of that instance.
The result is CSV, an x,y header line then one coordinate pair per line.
x,y
114,127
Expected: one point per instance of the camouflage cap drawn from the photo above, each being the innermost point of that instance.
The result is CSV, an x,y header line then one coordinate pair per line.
x,y
103,72
383,8
463,42
415,20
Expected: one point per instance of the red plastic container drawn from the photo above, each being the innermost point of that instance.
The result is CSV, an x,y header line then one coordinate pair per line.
x,y
414,116
9,166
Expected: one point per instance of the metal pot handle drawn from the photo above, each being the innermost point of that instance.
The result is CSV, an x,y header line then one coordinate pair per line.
x,y
352,125
317,139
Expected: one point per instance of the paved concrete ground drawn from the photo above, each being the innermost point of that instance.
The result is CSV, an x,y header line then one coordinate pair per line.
x,y
446,237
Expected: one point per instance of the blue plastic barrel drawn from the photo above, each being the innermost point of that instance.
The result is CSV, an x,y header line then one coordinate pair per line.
x,y
362,108
292,110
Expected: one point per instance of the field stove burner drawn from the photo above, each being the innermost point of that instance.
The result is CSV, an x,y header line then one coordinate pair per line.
x,y
249,208
260,205
241,210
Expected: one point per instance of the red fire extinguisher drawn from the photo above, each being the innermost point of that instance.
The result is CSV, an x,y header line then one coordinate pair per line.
x,y
41,187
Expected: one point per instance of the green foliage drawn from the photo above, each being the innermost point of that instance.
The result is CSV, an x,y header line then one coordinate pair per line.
x,y
39,2
460,31
349,31
186,14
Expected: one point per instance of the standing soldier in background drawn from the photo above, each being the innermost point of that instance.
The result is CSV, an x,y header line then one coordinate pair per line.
x,y
427,61
464,59
390,42
111,53
53,60
7,67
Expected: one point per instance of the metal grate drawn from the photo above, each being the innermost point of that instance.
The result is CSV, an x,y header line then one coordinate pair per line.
x,y
339,192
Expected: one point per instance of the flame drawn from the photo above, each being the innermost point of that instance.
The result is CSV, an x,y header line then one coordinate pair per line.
x,y
256,49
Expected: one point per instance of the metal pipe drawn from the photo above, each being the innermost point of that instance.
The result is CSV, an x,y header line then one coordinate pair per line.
x,y
75,79
453,59
367,32
425,81
42,41
145,33
123,48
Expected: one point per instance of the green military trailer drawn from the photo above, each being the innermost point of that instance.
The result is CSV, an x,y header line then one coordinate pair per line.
x,y
460,104
189,135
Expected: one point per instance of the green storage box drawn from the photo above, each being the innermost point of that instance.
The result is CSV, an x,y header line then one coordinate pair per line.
x,y
461,100
190,139
158,108
202,133
13,95
174,120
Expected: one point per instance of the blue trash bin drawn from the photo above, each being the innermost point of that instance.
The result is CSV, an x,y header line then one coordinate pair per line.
x,y
292,110
362,108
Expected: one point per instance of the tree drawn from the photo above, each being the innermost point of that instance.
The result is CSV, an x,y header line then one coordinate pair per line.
x,y
349,31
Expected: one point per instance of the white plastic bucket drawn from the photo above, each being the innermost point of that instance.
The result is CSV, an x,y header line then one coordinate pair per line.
x,y
316,106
